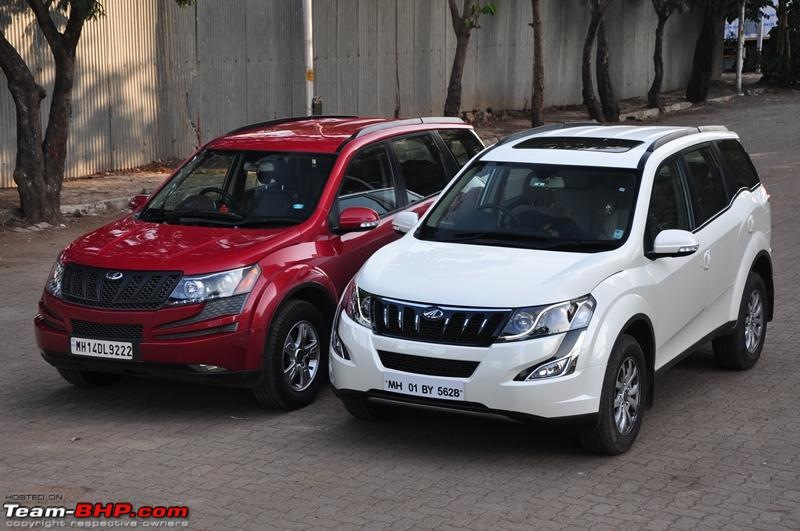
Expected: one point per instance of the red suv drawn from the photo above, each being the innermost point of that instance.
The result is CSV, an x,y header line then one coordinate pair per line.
x,y
230,272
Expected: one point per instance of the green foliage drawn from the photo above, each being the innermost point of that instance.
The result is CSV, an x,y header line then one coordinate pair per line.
x,y
776,69
476,10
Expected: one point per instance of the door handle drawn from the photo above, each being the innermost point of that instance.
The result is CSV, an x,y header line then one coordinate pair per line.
x,y
707,260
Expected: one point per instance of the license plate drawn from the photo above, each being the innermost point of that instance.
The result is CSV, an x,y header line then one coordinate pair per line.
x,y
97,348
424,386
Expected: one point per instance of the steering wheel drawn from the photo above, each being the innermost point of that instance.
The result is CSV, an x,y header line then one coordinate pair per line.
x,y
225,195
365,184
505,212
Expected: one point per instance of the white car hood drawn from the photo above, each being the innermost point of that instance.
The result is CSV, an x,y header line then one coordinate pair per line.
x,y
462,274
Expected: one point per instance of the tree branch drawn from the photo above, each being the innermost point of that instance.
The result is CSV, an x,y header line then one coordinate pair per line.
x,y
72,33
47,25
16,71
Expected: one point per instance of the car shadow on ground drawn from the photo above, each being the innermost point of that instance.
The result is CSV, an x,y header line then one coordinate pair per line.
x,y
420,431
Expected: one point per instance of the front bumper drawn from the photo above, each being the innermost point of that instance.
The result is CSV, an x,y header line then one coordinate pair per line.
x,y
163,350
490,388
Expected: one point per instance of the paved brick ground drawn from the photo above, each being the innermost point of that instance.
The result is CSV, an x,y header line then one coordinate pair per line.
x,y
719,450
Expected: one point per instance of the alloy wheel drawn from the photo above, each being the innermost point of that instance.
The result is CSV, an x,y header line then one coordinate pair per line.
x,y
753,322
301,356
627,396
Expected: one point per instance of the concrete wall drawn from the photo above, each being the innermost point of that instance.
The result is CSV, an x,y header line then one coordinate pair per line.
x,y
154,79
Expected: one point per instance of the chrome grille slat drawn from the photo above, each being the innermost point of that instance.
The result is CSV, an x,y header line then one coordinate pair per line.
x,y
477,327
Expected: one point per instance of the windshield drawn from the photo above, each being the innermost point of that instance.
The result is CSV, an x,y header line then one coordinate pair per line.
x,y
242,188
543,206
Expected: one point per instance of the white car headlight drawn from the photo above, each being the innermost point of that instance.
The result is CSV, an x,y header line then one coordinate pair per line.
x,y
53,286
199,288
357,304
528,323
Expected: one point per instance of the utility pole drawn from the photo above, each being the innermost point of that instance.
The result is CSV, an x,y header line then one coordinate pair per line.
x,y
740,51
308,49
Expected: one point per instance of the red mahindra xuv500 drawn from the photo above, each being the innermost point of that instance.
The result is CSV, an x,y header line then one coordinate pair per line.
x,y
230,272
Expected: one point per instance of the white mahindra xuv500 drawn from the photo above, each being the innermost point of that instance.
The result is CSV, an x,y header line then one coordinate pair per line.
x,y
558,274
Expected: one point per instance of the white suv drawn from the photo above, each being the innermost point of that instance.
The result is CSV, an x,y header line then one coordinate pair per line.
x,y
558,274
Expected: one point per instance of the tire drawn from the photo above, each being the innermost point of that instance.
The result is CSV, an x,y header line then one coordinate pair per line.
x,y
85,379
607,437
361,408
278,390
740,350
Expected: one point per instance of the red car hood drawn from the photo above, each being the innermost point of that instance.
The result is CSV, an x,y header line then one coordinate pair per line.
x,y
132,244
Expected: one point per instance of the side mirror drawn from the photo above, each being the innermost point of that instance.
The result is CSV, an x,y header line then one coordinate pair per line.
x,y
674,243
356,219
405,221
137,202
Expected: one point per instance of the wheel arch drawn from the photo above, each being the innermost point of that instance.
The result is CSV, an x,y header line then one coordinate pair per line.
x,y
762,265
316,294
640,327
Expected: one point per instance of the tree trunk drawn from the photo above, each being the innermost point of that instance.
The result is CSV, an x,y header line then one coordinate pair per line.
x,y
452,105
784,44
37,200
589,100
702,64
605,87
57,135
654,94
537,90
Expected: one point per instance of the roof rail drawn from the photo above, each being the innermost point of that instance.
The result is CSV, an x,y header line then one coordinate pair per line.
x,y
711,128
542,129
380,126
684,132
289,119
669,137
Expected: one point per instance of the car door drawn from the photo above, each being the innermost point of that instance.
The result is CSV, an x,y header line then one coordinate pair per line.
x,y
369,181
679,283
717,229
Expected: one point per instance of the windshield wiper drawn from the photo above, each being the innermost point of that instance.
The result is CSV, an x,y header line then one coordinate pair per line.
x,y
266,221
192,215
582,245
499,236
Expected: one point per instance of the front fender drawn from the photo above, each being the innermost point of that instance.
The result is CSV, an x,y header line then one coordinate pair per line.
x,y
618,305
285,283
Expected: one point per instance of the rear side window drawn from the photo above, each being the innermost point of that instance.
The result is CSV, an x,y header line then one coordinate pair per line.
x,y
420,165
462,143
668,206
708,188
738,167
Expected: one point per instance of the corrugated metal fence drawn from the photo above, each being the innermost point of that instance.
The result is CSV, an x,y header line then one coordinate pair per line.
x,y
154,79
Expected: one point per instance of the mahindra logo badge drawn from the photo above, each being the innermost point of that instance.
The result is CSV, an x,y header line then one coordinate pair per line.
x,y
114,275
433,314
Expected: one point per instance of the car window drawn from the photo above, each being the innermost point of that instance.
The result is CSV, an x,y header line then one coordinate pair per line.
x,y
420,165
707,186
738,167
668,206
368,182
462,143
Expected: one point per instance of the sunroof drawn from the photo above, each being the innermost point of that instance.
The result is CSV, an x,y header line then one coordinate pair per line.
x,y
604,145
